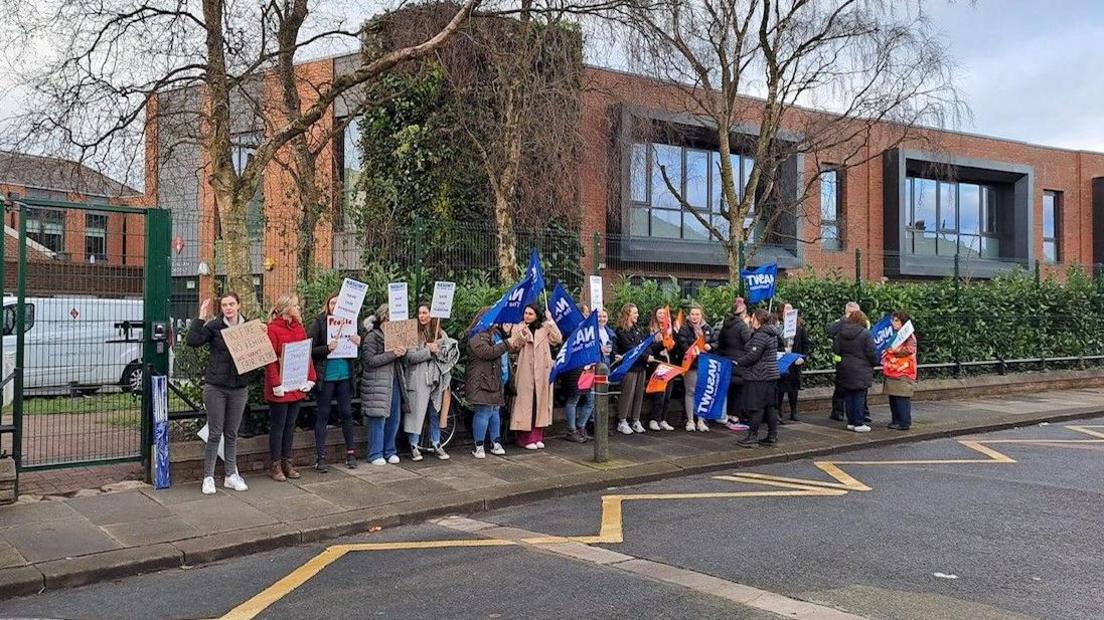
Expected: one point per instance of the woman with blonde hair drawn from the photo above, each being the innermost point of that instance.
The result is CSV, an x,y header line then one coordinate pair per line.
x,y
285,326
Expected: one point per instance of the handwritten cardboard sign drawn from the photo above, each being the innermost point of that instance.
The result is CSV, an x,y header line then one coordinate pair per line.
x,y
400,334
249,345
341,330
789,324
295,364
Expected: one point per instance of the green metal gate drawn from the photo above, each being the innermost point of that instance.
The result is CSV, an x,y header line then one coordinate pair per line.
x,y
86,291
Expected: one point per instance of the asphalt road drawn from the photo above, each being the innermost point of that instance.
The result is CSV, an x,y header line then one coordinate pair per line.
x,y
975,539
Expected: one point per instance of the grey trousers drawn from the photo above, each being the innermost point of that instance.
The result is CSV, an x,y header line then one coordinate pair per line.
x,y
225,407
631,399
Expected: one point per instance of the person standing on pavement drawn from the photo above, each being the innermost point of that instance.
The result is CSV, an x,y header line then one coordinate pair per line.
x,y
532,407
285,327
225,392
661,401
335,381
695,328
899,369
578,395
760,365
789,385
382,389
631,400
428,377
487,373
855,372
732,344
838,401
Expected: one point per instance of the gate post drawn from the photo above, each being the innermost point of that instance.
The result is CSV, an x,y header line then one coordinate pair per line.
x,y
155,317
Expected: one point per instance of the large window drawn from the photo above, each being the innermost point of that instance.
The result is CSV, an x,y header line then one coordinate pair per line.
x,y
95,237
948,218
695,174
1052,226
831,209
46,227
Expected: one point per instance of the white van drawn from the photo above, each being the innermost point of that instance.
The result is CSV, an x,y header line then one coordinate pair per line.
x,y
78,344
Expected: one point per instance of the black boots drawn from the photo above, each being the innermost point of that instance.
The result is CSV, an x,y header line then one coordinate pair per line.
x,y
751,441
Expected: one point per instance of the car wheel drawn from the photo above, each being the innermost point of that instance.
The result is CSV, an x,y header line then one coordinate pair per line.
x,y
132,378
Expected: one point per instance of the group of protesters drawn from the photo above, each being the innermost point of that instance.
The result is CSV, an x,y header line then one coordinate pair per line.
x,y
511,364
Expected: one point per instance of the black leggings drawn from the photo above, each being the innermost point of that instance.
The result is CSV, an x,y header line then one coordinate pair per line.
x,y
791,396
281,432
660,402
756,418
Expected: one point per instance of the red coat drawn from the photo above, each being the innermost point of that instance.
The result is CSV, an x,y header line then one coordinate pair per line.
x,y
900,363
280,332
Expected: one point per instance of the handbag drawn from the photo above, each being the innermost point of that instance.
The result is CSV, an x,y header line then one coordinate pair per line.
x,y
586,380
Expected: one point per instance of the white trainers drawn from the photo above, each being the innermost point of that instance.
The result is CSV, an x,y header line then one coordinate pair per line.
x,y
440,452
702,426
665,426
208,486
379,461
540,445
624,428
530,446
498,450
415,454
862,429
637,426
690,428
479,453
393,459
235,482
654,426
850,427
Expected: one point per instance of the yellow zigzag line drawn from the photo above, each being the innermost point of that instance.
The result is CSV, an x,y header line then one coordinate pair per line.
x,y
611,531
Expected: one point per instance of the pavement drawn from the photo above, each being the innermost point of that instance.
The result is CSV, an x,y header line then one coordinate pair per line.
x,y
48,545
992,526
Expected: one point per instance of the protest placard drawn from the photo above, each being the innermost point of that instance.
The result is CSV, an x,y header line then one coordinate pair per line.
x,y
295,364
249,345
443,294
902,335
397,301
350,299
789,324
400,334
595,293
341,330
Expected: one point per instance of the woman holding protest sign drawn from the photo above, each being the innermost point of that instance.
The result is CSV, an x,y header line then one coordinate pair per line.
x,y
428,377
335,379
225,392
630,402
284,328
789,384
661,354
487,373
694,338
855,371
760,365
532,408
382,389
899,368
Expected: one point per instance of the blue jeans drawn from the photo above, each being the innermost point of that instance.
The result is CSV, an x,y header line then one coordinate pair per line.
x,y
901,409
434,428
385,430
855,403
583,403
486,419
325,392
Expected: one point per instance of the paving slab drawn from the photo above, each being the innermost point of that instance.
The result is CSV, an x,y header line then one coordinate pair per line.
x,y
151,531
353,493
286,509
115,508
74,572
23,514
20,581
10,556
52,540
226,514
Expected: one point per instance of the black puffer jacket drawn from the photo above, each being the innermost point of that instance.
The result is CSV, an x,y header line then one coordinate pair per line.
x,y
686,336
626,339
732,343
760,360
854,344
220,366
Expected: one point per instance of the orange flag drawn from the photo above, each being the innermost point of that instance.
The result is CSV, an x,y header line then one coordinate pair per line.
x,y
662,375
679,320
668,335
693,352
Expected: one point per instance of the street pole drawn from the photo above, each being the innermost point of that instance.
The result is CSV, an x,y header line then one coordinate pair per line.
x,y
601,413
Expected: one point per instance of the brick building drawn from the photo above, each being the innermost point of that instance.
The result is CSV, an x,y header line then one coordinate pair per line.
x,y
910,209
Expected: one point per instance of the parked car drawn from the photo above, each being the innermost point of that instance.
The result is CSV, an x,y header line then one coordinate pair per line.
x,y
78,344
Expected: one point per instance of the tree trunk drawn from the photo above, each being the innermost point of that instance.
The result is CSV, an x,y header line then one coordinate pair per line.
x,y
507,245
236,252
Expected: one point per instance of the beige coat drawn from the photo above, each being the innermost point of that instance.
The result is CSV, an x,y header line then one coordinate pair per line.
x,y
533,367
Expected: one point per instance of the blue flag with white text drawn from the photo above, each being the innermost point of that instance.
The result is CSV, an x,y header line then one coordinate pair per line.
x,y
714,375
536,272
564,311
582,348
761,282
630,358
509,308
883,333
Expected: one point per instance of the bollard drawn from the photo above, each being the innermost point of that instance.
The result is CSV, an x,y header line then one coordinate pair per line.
x,y
601,414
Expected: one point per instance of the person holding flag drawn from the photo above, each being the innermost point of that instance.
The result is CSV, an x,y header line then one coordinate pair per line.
x,y
630,336
694,338
760,365
899,369
532,408
789,384
659,363
575,363
487,372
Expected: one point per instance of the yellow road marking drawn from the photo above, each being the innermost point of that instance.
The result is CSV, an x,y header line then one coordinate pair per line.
x,y
280,589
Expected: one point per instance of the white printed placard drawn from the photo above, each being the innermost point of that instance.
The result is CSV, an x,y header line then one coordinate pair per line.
x,y
443,295
595,293
295,364
789,324
341,329
398,302
902,335
350,299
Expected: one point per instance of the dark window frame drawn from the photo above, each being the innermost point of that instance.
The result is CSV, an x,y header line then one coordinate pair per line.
x,y
837,223
1056,197
37,219
937,231
99,252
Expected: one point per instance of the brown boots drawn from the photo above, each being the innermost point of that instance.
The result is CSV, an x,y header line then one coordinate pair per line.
x,y
282,470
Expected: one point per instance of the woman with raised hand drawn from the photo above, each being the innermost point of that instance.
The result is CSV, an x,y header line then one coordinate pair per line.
x,y
694,329
630,334
335,381
382,389
428,377
899,369
532,407
487,373
225,392
285,327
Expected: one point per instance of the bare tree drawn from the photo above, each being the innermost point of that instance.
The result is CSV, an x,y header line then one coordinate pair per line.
x,y
874,67
115,58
